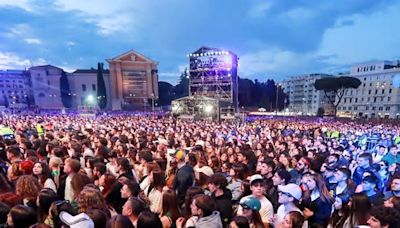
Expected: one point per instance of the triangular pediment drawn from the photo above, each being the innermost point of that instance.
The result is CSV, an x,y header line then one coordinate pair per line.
x,y
132,56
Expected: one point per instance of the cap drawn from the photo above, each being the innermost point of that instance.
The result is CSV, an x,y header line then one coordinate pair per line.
x,y
255,177
77,221
250,203
206,170
291,189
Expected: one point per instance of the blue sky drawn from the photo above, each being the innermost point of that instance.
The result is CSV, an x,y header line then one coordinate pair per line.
x,y
273,39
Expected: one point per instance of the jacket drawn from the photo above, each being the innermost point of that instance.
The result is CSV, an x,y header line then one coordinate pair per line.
x,y
183,180
224,206
212,221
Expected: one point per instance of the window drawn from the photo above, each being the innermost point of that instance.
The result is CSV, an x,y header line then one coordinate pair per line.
x,y
381,98
363,84
390,90
369,91
373,108
93,87
383,91
368,99
366,107
48,82
350,100
374,99
376,91
83,87
362,99
389,98
355,108
356,100
388,108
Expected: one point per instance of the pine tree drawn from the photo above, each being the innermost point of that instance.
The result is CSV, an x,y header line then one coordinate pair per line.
x,y
66,97
101,87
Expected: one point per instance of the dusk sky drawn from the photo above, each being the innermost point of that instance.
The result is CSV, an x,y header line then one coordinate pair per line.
x,y
273,39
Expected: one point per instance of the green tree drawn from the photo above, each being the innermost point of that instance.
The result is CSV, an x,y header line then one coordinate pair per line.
x,y
337,86
182,88
101,87
165,90
66,96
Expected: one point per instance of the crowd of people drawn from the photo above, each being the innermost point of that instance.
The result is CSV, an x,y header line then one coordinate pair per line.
x,y
144,171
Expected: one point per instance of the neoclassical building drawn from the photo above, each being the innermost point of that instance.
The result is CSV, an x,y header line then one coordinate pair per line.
x,y
133,81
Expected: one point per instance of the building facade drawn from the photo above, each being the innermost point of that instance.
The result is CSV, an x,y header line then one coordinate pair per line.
x,y
378,96
131,83
46,86
134,81
15,89
304,99
83,86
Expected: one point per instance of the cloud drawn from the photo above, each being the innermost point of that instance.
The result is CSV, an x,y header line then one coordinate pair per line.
x,y
359,38
32,41
23,4
12,61
259,9
172,76
70,43
109,18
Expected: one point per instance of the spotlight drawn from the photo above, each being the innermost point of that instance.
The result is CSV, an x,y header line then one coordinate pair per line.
x,y
208,108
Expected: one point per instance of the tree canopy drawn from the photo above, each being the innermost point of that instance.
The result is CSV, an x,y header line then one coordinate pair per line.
x,y
337,86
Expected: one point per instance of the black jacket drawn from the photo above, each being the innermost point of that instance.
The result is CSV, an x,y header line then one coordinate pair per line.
x,y
183,180
224,206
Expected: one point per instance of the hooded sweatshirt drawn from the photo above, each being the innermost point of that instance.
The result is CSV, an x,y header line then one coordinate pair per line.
x,y
214,221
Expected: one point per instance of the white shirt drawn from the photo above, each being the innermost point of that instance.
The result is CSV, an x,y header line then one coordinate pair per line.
x,y
266,211
49,183
69,193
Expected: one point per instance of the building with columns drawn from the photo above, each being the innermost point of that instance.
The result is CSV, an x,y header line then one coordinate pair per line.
x,y
134,81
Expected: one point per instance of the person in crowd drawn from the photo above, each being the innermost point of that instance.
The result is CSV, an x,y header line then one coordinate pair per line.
x,y
293,219
239,222
257,186
344,186
251,207
237,175
42,171
359,208
280,177
392,156
317,200
364,162
98,216
44,200
119,221
369,186
183,176
221,196
148,219
28,189
4,210
289,198
384,217
71,168
302,166
132,209
170,209
21,216
157,181
204,208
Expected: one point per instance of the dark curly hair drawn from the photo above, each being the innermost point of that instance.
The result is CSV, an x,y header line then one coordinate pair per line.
x,y
386,216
